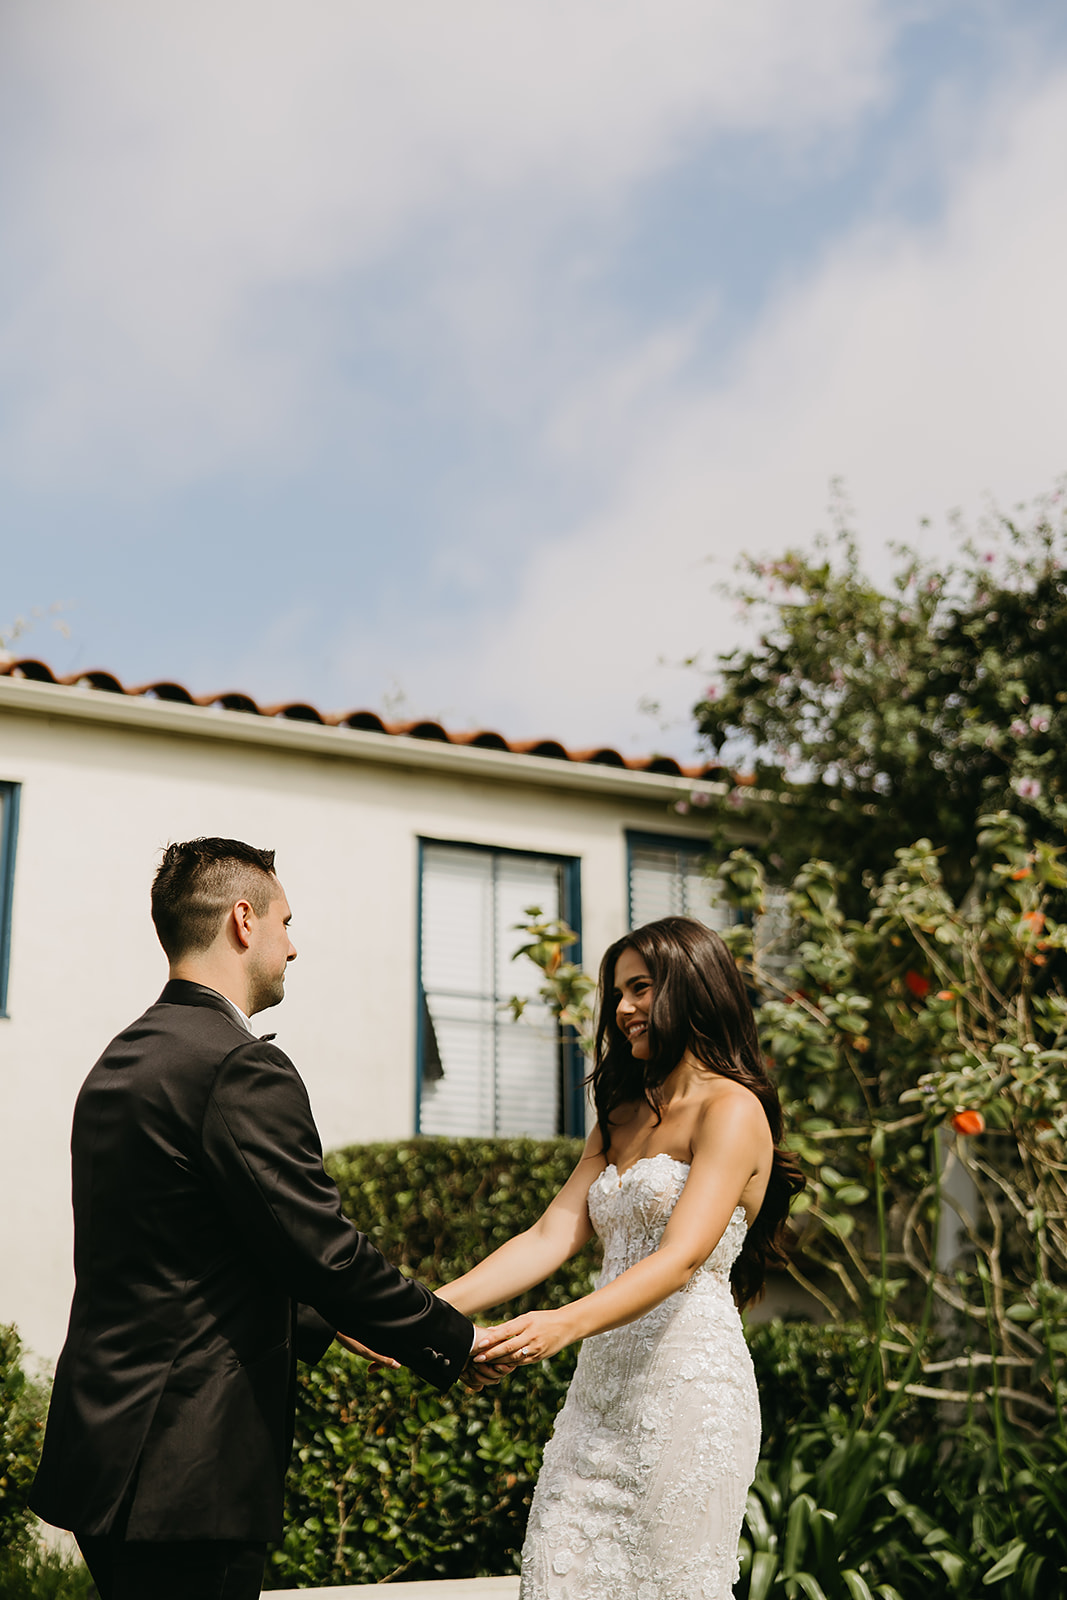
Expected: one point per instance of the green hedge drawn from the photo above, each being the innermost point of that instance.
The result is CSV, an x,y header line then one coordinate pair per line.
x,y
390,1480
23,1405
27,1570
40,1573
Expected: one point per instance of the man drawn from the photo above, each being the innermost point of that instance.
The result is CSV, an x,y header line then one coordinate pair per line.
x,y
210,1252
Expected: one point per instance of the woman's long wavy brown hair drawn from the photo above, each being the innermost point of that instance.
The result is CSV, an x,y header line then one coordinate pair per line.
x,y
699,1004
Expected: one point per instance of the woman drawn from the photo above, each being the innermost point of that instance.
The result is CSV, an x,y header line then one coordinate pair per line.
x,y
643,1485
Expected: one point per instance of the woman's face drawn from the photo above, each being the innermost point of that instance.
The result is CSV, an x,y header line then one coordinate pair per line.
x,y
633,1001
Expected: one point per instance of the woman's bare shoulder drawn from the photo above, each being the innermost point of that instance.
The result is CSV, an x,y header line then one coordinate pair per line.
x,y
726,1103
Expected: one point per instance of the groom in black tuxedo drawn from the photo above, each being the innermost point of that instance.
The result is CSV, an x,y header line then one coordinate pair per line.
x,y
210,1252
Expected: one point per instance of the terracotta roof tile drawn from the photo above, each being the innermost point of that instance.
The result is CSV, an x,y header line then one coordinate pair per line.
x,y
370,722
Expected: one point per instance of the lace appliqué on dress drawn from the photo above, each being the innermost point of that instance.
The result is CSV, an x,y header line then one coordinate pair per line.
x,y
643,1485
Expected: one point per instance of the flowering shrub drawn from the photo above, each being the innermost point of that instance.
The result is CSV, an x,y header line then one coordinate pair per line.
x,y
922,1057
879,715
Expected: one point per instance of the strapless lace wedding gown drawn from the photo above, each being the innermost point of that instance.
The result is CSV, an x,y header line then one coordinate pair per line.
x,y
643,1485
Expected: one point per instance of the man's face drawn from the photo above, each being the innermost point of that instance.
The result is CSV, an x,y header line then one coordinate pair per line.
x,y
269,953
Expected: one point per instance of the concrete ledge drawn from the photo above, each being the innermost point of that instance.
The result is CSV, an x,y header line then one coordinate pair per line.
x,y
435,1589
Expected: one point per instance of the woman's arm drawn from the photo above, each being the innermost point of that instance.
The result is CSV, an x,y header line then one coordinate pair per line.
x,y
533,1256
730,1145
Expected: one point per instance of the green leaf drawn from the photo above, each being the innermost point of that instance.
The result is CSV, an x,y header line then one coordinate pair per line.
x,y
952,1565
1007,1563
811,1586
797,1528
764,1568
758,1524
856,1585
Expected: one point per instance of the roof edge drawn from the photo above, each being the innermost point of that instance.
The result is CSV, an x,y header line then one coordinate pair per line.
x,y
211,719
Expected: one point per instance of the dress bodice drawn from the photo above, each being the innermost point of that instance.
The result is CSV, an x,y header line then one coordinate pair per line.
x,y
630,1211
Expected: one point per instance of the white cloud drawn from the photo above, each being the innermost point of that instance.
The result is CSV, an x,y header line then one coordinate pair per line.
x,y
924,363
186,168
183,163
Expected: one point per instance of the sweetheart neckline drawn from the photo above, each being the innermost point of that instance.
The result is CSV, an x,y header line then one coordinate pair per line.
x,y
661,1155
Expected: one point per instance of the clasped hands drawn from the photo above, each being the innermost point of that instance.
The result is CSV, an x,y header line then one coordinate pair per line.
x,y
497,1351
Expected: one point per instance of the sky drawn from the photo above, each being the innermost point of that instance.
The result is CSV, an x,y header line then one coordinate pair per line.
x,y
442,360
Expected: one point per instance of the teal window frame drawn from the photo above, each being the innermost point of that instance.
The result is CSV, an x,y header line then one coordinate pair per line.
x,y
9,827
572,1061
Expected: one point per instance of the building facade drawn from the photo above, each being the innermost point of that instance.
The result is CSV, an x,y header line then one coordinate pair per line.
x,y
408,856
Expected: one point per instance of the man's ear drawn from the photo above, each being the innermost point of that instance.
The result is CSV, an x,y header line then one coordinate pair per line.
x,y
242,920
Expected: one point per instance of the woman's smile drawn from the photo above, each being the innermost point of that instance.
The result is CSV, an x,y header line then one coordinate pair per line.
x,y
633,1001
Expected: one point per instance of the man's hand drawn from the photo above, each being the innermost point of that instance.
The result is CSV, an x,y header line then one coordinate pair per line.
x,y
478,1374
372,1356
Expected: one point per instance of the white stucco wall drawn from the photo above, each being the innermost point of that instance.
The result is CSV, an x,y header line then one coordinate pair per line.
x,y
98,801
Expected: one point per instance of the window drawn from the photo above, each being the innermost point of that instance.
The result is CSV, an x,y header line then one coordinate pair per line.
x,y
668,878
481,1072
9,814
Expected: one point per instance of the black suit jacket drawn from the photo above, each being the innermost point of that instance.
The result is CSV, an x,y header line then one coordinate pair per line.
x,y
210,1250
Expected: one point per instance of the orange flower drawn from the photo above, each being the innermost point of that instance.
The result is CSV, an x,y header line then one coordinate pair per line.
x,y
1020,873
1035,921
968,1122
919,986
945,994
861,1044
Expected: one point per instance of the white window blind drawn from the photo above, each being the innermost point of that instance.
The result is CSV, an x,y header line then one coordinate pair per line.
x,y
483,1073
668,880
772,936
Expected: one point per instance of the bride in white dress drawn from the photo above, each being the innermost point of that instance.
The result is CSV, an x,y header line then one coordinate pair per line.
x,y
642,1490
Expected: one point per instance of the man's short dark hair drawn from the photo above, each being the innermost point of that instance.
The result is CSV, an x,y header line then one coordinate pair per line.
x,y
197,884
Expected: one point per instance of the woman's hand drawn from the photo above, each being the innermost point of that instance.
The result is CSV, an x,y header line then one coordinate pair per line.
x,y
526,1339
372,1356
